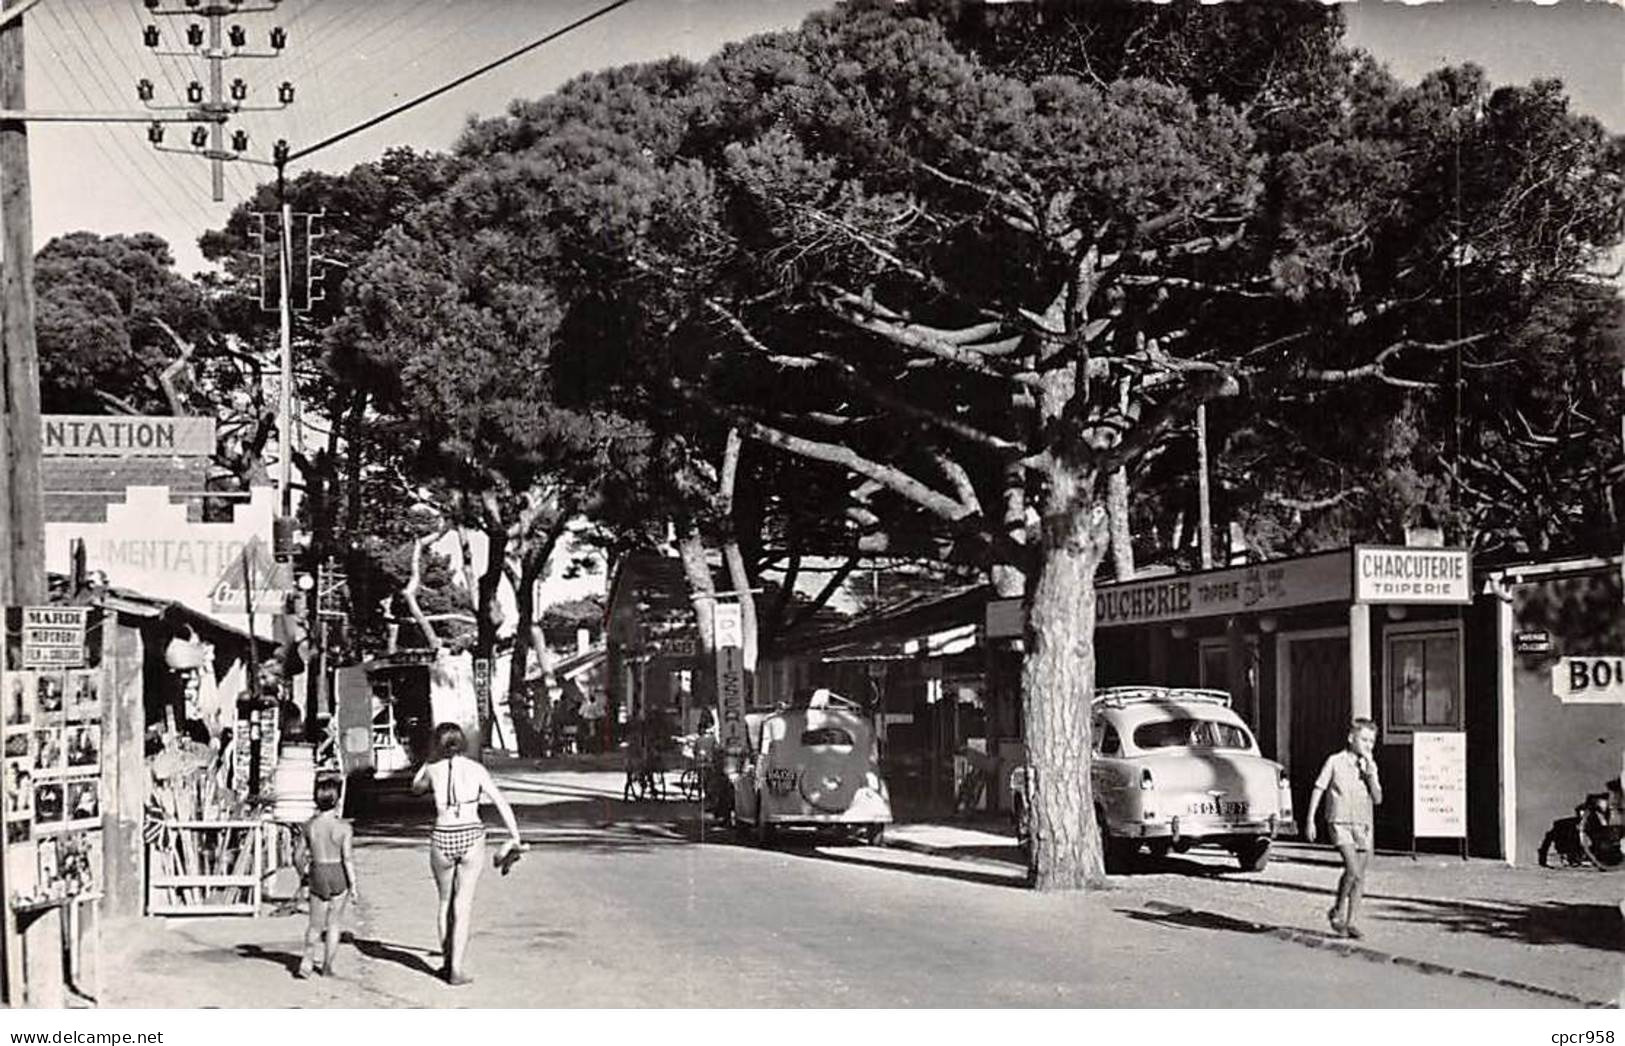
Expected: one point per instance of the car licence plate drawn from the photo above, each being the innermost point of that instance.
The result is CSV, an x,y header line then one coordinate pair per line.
x,y
781,780
1220,808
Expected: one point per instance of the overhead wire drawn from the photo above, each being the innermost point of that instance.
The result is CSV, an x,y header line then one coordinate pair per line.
x,y
450,85
160,194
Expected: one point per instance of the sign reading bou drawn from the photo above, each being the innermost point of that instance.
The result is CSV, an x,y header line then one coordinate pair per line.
x,y
125,436
1412,575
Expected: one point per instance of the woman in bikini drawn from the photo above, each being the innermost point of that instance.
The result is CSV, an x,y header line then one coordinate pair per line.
x,y
457,844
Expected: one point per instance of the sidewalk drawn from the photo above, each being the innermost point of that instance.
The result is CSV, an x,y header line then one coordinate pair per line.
x,y
1555,932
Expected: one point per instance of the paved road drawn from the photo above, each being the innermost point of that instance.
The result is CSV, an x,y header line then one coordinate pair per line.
x,y
616,906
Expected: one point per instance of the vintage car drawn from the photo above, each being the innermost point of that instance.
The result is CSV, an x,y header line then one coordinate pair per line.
x,y
813,767
1174,768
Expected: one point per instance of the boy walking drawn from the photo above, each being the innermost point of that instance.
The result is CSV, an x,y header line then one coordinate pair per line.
x,y
1348,782
331,876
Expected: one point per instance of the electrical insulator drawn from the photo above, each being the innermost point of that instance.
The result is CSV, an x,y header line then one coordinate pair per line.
x,y
152,5
279,38
194,93
284,94
143,89
279,151
200,137
239,89
239,141
194,35
191,3
238,36
155,133
149,36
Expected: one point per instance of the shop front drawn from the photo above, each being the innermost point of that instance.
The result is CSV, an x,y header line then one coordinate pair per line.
x,y
1304,646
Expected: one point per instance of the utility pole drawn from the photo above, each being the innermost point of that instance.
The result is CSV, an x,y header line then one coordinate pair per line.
x,y
213,105
1204,500
23,521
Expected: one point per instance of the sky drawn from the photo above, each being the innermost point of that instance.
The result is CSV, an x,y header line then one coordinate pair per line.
x,y
351,59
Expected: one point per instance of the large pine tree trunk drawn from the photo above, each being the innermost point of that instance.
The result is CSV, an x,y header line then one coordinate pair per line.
x,y
738,576
1117,508
488,615
1058,679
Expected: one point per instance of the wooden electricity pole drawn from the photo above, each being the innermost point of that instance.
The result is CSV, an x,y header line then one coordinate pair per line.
x,y
22,512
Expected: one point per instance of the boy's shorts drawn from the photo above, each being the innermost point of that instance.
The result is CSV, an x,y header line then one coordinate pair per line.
x,y
1346,833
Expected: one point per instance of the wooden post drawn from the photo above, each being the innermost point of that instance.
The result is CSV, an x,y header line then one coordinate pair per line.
x,y
124,764
22,579
1203,497
1360,660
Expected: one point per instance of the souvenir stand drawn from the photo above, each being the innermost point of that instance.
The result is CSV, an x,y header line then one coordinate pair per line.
x,y
55,697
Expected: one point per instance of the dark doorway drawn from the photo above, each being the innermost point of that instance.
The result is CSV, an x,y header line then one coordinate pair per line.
x,y
1316,674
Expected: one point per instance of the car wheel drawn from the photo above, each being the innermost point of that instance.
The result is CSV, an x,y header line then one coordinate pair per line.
x,y
1118,853
1159,848
1253,855
875,835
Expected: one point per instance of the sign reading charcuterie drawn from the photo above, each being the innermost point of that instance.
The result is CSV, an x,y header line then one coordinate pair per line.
x,y
1412,575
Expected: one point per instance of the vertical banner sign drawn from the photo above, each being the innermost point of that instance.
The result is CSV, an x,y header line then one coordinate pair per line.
x,y
730,677
482,690
1439,784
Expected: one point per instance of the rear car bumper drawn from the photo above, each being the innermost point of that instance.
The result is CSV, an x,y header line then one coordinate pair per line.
x,y
1200,828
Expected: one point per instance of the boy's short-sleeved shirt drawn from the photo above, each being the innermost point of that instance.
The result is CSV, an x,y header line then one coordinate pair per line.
x,y
1348,800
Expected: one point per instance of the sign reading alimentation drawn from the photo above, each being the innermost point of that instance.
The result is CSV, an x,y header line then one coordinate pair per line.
x,y
121,436
1412,575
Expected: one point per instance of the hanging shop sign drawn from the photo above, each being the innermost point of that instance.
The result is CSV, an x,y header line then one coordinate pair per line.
x,y
1439,784
104,436
1234,590
730,638
1412,575
1595,680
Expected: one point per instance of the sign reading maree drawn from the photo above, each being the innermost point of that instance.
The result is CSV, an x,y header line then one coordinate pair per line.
x,y
110,436
1412,575
54,637
1439,784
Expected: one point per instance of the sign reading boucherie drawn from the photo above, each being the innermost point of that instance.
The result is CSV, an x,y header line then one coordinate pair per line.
x,y
1253,588
125,436
1412,575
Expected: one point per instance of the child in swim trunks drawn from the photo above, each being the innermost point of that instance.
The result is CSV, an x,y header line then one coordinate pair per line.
x,y
331,876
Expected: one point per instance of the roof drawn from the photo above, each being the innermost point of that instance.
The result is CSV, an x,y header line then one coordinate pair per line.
x,y
125,601
881,634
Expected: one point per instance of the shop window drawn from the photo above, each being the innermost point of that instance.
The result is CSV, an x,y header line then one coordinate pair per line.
x,y
1423,672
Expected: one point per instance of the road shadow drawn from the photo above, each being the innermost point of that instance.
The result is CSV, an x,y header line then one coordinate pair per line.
x,y
413,959
1193,920
287,960
883,859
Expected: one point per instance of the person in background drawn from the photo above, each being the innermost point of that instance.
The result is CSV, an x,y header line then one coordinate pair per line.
x,y
331,876
1348,782
457,844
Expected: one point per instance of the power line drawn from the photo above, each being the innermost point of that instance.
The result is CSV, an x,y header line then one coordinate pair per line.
x,y
465,78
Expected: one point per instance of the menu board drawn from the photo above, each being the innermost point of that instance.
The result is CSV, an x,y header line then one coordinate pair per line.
x,y
1439,784
52,771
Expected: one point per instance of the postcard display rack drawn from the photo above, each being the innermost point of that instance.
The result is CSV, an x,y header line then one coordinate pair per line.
x,y
53,689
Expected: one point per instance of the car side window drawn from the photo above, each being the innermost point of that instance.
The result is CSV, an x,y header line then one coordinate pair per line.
x,y
1110,743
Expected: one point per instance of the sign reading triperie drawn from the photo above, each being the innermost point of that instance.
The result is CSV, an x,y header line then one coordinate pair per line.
x,y
125,436
1412,575
53,637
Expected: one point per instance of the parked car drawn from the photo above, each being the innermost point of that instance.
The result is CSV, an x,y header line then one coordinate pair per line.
x,y
814,767
1175,768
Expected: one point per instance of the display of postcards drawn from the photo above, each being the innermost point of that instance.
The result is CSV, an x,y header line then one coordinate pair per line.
x,y
17,745
83,799
78,862
19,788
19,700
84,745
48,804
46,867
85,696
22,866
48,750
17,831
50,695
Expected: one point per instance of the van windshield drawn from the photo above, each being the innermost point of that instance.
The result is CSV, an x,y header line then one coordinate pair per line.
x,y
829,735
1191,733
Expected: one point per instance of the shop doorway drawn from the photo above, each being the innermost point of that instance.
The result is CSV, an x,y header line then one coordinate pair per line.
x,y
1313,705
